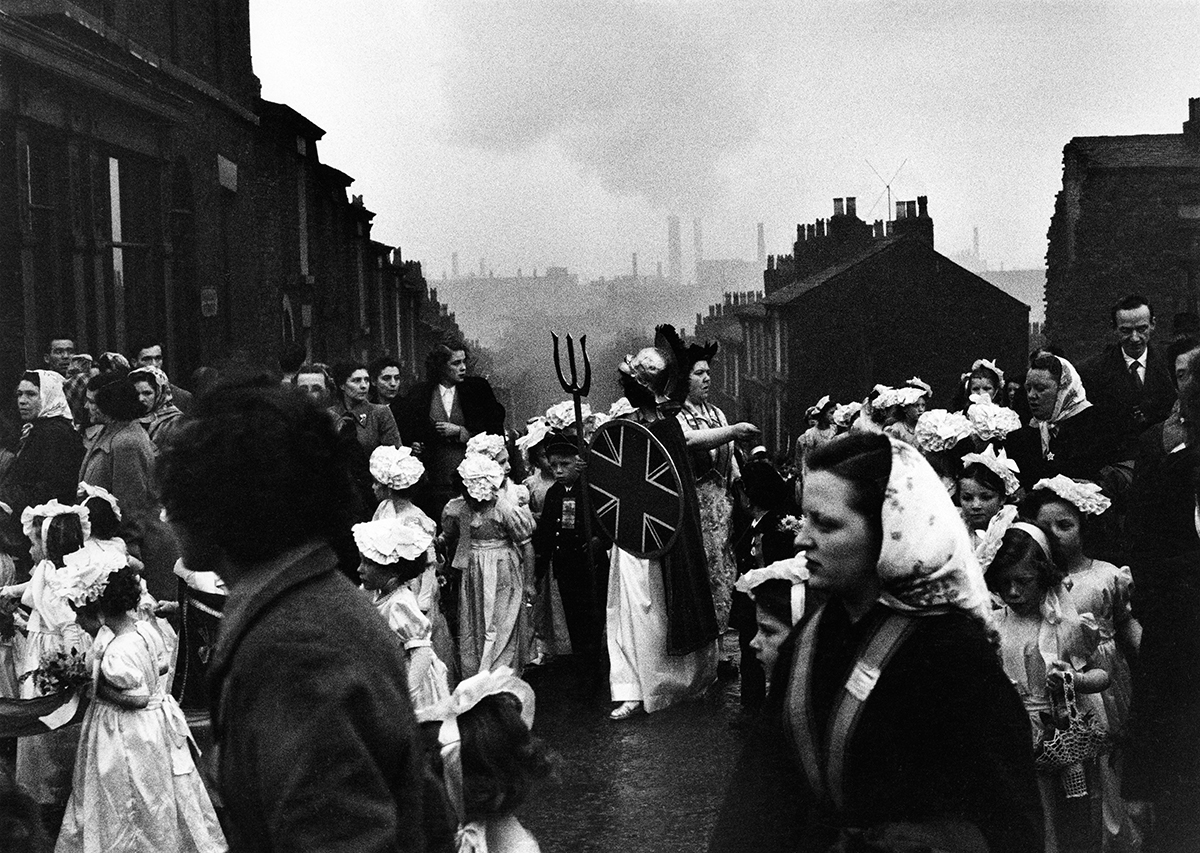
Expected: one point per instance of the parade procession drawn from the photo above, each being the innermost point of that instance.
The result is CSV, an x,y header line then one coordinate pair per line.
x,y
870,545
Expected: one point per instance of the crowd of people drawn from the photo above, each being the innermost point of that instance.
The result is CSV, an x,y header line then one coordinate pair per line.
x,y
963,629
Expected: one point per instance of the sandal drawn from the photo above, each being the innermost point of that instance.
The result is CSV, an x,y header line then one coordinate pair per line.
x,y
626,710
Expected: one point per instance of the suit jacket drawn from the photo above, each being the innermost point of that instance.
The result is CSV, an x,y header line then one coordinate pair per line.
x,y
1123,408
318,746
481,411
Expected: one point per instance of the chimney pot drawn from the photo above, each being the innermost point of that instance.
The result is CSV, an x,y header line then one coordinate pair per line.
x,y
912,210
839,208
923,206
851,206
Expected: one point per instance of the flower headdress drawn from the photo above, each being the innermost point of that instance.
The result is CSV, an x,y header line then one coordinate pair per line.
x,y
47,511
466,696
990,421
481,476
621,407
999,464
395,467
992,538
562,415
794,570
389,540
1086,496
87,491
84,574
536,430
487,444
920,384
845,413
939,430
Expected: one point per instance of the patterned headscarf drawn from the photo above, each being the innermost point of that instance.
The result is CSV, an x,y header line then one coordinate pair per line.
x,y
51,395
163,395
926,562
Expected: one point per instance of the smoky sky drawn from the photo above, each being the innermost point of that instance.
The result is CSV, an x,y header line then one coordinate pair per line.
x,y
537,133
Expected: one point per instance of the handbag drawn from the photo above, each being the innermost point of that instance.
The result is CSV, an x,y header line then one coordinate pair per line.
x,y
1083,739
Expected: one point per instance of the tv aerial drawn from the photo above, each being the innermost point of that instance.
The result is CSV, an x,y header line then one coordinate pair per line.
x,y
887,185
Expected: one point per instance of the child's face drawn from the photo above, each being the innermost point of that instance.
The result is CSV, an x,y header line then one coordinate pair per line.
x,y
979,503
564,467
89,621
373,575
982,385
380,491
1020,589
502,461
771,634
1062,523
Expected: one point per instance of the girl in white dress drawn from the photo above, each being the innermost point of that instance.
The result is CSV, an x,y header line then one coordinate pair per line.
x,y
44,762
396,472
136,785
392,556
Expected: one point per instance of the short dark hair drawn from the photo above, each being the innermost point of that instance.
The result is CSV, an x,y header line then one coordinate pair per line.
x,y
377,365
343,370
50,339
501,760
105,524
1048,363
1130,303
256,470
116,396
1016,547
145,342
440,355
775,597
1178,347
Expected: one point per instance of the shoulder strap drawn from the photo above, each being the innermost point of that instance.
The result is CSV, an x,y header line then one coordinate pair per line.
x,y
799,721
848,705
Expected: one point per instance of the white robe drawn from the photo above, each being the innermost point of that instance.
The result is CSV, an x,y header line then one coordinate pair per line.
x,y
641,670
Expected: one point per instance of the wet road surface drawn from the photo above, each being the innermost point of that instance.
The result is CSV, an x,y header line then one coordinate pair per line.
x,y
649,784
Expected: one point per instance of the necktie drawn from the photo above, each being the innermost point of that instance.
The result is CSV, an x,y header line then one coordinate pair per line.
x,y
1133,372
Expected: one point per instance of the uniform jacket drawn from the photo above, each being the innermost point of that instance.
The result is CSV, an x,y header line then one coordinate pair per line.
x,y
318,746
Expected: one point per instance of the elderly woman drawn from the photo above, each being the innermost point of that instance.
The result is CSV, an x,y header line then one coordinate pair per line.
x,y
47,460
1065,436
154,393
119,459
905,726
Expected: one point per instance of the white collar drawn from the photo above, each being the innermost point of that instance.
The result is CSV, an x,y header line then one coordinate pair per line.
x,y
1141,359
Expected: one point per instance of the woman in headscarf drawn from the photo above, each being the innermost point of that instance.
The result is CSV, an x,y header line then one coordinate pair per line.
x,y
154,393
120,459
1065,436
47,462
904,724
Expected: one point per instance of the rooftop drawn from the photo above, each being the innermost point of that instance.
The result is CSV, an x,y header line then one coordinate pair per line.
x,y
1142,151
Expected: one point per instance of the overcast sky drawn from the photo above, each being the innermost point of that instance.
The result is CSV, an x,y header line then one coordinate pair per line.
x,y
536,133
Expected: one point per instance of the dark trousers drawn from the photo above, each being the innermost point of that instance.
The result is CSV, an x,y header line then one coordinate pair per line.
x,y
584,593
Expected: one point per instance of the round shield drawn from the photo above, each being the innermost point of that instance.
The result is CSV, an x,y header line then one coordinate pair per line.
x,y
634,488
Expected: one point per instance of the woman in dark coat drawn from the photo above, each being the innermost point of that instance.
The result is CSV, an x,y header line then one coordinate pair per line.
x,y
47,461
905,726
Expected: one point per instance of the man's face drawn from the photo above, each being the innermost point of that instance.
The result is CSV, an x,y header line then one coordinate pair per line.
x,y
1183,374
58,357
150,357
1134,328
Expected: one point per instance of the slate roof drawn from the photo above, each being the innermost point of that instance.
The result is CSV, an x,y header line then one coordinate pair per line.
x,y
1142,151
797,288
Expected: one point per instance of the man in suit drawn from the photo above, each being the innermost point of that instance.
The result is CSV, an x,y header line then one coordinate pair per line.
x,y
438,417
1130,383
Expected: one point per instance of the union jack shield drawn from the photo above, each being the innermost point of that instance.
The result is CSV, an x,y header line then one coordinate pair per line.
x,y
634,488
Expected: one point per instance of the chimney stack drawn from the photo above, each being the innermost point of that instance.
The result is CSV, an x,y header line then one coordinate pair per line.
x,y
922,206
852,206
901,210
839,207
1191,127
912,210
762,245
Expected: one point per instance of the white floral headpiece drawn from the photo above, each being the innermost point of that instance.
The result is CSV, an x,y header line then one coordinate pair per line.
x,y
993,537
487,444
987,363
621,407
481,476
562,415
395,467
844,413
536,430
794,570
999,464
918,382
939,430
47,511
87,491
466,696
1086,496
989,421
389,540
84,574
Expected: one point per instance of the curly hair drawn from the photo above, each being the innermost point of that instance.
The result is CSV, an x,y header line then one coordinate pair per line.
x,y
122,593
257,470
501,760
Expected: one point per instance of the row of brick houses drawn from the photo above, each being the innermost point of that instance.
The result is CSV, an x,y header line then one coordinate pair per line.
x,y
147,189
855,304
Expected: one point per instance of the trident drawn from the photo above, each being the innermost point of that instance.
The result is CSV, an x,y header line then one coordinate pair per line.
x,y
578,390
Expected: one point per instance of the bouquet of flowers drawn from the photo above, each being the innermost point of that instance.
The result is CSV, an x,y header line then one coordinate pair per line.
x,y
991,422
939,430
60,672
790,524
